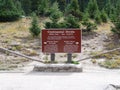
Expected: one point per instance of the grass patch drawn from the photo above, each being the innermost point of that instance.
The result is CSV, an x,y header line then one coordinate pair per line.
x,y
110,64
75,62
108,56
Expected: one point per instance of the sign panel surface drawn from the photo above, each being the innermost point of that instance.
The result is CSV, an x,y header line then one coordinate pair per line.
x,y
61,41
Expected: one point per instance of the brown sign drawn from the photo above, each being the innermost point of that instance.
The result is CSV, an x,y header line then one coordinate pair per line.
x,y
61,41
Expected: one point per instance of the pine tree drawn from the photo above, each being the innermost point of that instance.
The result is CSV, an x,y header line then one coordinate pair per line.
x,y
72,22
116,20
117,7
109,8
74,9
9,11
85,16
19,6
55,16
104,16
34,29
115,11
116,28
98,18
43,8
83,4
101,4
62,4
35,5
26,5
92,9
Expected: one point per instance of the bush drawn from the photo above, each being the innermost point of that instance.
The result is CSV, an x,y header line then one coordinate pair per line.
x,y
104,16
85,16
9,11
34,30
89,26
72,22
74,9
55,16
9,16
52,25
116,29
98,18
48,25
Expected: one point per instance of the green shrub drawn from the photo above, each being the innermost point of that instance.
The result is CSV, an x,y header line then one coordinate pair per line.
x,y
89,26
75,62
55,16
72,22
98,18
104,16
34,29
9,11
116,29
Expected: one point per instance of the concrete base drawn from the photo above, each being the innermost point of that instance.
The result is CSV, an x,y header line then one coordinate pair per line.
x,y
57,68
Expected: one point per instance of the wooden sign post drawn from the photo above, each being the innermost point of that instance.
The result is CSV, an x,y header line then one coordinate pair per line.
x,y
61,41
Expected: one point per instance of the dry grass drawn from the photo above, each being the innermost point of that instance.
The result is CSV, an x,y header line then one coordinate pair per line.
x,y
16,32
105,27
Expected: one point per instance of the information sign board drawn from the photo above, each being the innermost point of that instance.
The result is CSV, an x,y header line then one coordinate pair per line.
x,y
61,41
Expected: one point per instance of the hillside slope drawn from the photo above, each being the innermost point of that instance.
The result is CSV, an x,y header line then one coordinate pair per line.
x,y
15,36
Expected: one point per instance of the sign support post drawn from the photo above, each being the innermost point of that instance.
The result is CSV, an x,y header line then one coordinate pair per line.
x,y
69,58
52,57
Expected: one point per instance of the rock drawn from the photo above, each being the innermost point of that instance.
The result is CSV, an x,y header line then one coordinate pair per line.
x,y
58,68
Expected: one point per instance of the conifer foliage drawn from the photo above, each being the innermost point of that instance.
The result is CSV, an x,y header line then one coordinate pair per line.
x,y
34,29
9,11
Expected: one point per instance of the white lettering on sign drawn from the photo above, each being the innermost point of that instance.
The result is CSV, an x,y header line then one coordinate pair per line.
x,y
55,31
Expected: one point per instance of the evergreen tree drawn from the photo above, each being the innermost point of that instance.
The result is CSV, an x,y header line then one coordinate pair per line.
x,y
98,18
116,28
116,20
104,16
26,5
92,9
55,8
19,6
74,9
101,4
55,16
43,8
35,5
115,11
83,4
62,4
9,11
108,8
85,16
34,29
72,22
117,7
